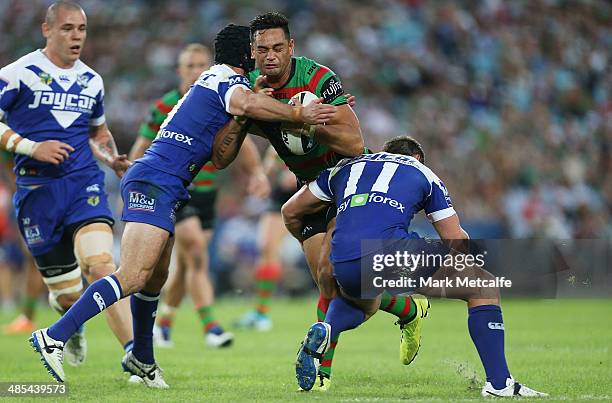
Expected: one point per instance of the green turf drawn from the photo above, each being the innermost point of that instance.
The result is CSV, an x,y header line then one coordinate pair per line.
x,y
559,346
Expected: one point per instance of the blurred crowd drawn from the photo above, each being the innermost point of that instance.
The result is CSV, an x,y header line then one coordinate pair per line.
x,y
512,100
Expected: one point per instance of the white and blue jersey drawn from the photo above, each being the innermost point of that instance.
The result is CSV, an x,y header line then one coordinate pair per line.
x,y
184,141
155,187
376,197
41,101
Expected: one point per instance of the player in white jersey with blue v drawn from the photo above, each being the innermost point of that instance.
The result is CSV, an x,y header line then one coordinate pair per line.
x,y
376,197
53,106
154,189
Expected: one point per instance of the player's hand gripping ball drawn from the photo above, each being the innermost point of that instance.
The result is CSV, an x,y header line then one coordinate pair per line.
x,y
299,137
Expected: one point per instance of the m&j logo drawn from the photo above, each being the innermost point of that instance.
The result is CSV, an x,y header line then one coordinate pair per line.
x,y
141,202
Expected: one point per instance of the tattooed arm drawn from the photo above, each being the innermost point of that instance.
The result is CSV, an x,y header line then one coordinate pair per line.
x,y
228,142
104,149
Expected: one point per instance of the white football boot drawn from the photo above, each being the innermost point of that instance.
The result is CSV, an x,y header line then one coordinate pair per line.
x,y
224,339
75,348
51,353
150,375
512,389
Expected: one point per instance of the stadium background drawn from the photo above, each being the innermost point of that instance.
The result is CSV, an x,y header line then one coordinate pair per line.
x,y
512,100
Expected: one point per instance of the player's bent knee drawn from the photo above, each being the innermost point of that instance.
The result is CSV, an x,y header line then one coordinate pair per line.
x,y
63,302
99,271
158,277
93,245
64,289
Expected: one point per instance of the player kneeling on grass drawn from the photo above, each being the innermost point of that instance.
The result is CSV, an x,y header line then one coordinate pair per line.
x,y
392,186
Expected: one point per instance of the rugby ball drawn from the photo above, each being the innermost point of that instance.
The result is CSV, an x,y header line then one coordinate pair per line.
x,y
299,140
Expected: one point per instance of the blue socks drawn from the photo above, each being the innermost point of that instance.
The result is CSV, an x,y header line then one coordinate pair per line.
x,y
96,298
144,309
342,316
486,327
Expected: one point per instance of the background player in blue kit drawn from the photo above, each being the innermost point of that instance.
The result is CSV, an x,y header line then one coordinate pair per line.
x,y
392,186
54,107
155,188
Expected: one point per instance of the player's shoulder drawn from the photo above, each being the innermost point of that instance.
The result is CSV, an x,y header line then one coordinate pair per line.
x,y
309,67
252,76
84,72
15,68
171,97
220,74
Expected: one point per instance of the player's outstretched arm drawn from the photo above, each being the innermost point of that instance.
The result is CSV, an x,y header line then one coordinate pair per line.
x,y
342,133
244,102
138,149
302,203
51,151
104,149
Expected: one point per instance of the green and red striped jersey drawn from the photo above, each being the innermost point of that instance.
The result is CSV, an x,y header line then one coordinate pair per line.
x,y
206,179
306,75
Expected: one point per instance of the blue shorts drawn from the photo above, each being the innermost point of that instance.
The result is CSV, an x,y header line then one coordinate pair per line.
x,y
44,212
152,197
357,277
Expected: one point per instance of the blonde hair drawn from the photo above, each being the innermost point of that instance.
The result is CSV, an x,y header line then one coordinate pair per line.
x,y
54,8
194,47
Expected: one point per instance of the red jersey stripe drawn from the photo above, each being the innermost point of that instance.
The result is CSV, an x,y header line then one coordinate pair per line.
x,y
162,107
314,81
287,93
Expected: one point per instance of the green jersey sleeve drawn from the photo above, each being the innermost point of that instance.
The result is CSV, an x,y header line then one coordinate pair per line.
x,y
157,114
323,82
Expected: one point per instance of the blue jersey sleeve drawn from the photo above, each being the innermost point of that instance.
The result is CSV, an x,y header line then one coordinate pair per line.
x,y
9,89
320,186
97,115
438,204
227,88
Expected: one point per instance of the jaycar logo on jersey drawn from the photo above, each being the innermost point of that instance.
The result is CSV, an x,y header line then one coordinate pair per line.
x,y
141,202
362,199
181,138
63,101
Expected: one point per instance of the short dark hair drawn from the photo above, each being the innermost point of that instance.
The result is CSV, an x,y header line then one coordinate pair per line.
x,y
270,20
405,145
233,47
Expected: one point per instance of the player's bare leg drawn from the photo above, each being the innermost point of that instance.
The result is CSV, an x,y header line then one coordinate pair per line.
x,y
34,286
144,247
272,231
140,362
93,245
192,247
174,292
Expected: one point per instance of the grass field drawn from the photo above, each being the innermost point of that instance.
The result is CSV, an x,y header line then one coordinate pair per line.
x,y
558,346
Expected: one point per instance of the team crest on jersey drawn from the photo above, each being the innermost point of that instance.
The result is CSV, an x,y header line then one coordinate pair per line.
x,y
83,80
93,200
45,78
